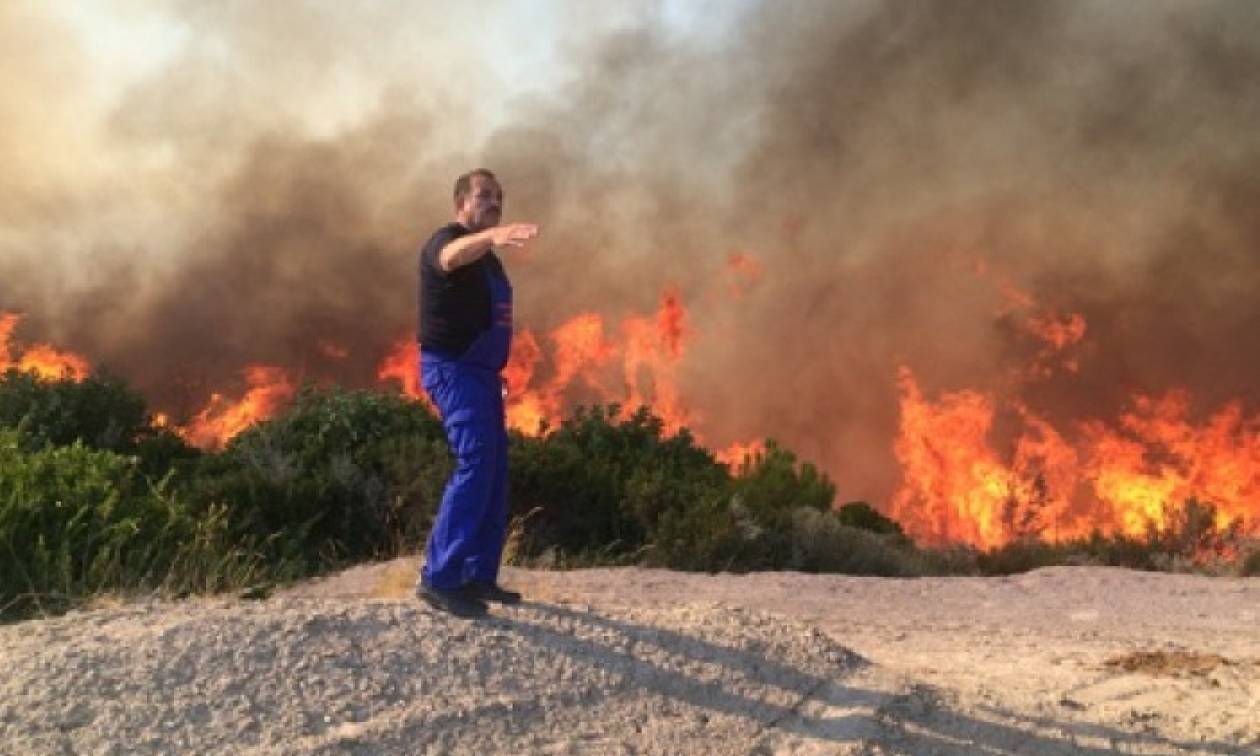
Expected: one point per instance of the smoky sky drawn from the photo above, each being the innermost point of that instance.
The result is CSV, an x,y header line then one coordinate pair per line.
x,y
891,166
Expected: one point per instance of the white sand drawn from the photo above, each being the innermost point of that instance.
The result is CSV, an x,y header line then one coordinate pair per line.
x,y
650,661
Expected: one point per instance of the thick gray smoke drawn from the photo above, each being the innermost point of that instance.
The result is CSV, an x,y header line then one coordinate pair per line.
x,y
1102,158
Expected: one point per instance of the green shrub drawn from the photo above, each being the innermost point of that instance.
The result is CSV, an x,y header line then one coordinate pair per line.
x,y
338,476
822,542
600,489
597,487
100,411
859,514
1026,555
766,492
1250,564
704,536
772,484
75,521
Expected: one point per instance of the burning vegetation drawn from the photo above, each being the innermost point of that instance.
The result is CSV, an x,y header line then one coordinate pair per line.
x,y
1129,477
1000,297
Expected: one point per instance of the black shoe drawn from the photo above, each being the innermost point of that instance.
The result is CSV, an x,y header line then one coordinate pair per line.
x,y
492,592
456,602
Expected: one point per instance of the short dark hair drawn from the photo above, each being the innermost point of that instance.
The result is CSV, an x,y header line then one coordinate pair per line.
x,y
463,184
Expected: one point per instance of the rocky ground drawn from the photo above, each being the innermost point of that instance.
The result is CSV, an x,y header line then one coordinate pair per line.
x,y
630,660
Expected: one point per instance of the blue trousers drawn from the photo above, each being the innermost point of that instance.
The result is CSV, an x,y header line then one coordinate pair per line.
x,y
466,542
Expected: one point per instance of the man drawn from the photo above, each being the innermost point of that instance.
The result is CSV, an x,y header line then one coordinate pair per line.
x,y
465,334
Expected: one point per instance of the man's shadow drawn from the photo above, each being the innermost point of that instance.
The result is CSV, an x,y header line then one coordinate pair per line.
x,y
777,697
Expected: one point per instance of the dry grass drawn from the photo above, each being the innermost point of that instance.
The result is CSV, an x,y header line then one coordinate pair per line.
x,y
397,581
1170,663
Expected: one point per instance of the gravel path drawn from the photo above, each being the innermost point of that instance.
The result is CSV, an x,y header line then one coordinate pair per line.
x,y
1066,660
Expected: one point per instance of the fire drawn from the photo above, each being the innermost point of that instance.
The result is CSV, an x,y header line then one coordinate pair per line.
x,y
960,484
580,351
1158,458
221,419
738,454
41,359
525,409
955,487
402,365
1124,478
1058,332
1055,332
580,355
580,360
50,363
652,353
212,427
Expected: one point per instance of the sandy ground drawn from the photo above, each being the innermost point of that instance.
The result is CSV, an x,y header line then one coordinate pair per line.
x,y
629,660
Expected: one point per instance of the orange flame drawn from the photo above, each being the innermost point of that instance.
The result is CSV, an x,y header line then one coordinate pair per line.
x,y
8,324
1157,459
953,486
402,364
580,363
1123,478
652,353
41,359
1057,332
222,418
525,408
738,454
1117,480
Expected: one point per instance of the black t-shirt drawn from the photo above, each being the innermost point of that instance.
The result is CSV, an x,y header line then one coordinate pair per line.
x,y
454,306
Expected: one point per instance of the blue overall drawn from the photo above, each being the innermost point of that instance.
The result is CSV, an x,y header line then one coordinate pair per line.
x,y
467,538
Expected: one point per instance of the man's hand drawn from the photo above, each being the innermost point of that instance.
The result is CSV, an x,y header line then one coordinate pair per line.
x,y
513,234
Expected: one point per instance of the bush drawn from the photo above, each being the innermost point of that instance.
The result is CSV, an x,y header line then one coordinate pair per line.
x,y
1250,565
597,487
822,542
1027,555
604,490
75,521
100,411
705,536
766,493
859,514
338,476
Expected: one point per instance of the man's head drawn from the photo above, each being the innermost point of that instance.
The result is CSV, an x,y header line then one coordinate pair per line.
x,y
478,200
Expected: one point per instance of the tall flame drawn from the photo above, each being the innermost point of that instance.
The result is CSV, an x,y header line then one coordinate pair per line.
x,y
955,487
1158,457
580,360
1125,477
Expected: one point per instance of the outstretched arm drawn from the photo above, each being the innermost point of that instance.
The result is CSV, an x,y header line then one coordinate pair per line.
x,y
471,247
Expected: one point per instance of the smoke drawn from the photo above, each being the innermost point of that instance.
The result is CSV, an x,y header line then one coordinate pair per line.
x,y
873,156
896,169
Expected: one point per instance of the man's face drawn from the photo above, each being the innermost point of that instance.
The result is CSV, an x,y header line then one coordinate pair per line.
x,y
483,206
